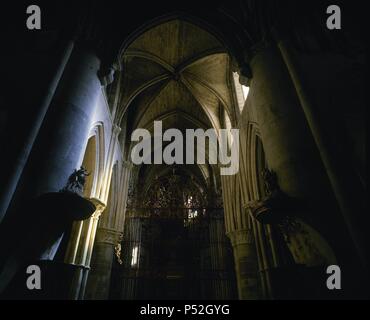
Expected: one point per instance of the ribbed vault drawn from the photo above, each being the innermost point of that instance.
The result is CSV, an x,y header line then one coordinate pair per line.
x,y
180,74
175,67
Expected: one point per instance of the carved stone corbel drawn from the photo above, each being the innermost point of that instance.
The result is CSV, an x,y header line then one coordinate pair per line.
x,y
100,207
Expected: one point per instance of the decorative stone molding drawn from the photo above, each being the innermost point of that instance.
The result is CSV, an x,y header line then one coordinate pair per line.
x,y
100,206
108,236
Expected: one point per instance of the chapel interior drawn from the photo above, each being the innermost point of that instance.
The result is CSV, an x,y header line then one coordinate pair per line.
x,y
76,90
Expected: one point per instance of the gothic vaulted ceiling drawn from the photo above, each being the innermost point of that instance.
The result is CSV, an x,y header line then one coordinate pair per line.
x,y
178,73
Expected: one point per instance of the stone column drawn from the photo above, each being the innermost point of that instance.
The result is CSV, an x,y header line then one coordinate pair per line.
x,y
98,284
291,150
108,236
61,142
287,141
245,259
80,253
57,151
104,188
343,179
9,185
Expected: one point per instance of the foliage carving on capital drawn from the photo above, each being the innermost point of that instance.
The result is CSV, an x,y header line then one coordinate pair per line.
x,y
109,236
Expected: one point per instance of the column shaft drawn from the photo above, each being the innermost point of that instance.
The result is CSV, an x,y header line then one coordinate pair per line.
x,y
9,185
291,151
245,264
350,196
98,283
57,151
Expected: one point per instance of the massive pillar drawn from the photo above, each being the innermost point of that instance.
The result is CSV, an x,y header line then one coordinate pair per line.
x,y
245,259
18,162
286,138
98,284
57,151
343,179
290,148
64,134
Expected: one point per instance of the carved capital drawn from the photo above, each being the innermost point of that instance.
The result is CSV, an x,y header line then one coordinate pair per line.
x,y
108,236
